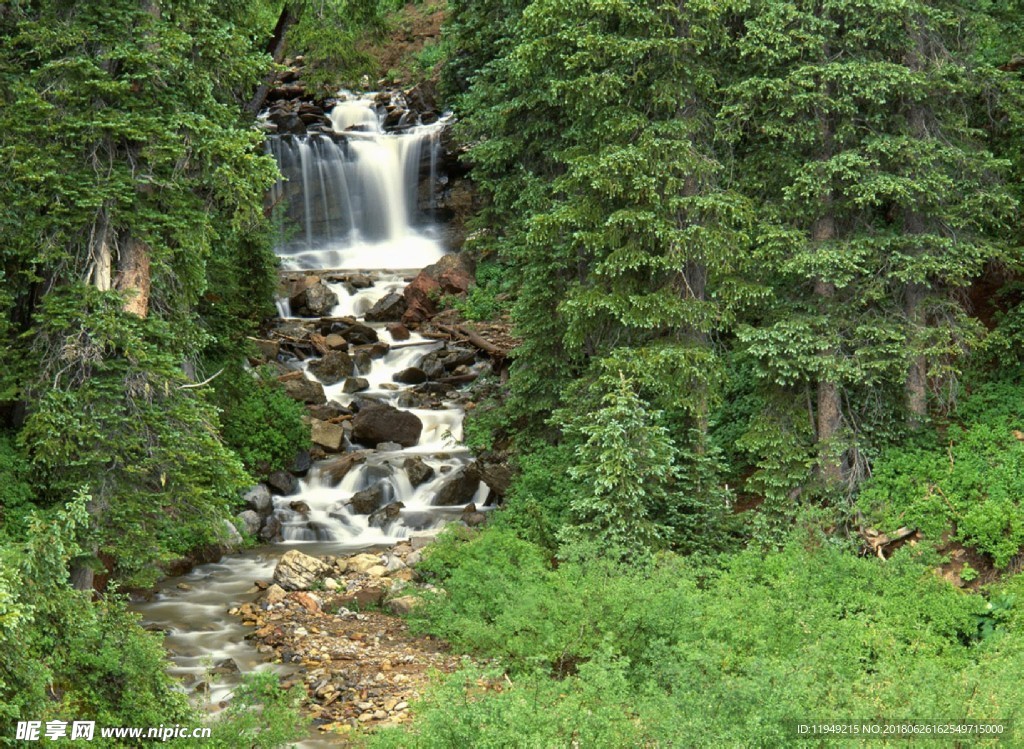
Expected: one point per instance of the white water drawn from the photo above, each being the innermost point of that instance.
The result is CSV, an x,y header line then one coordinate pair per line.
x,y
348,200
351,204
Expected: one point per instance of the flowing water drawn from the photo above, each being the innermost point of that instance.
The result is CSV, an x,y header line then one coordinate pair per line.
x,y
348,201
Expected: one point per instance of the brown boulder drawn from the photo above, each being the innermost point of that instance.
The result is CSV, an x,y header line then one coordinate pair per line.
x,y
382,423
452,274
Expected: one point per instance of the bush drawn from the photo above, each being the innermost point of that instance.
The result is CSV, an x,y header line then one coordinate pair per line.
x,y
972,485
726,655
260,422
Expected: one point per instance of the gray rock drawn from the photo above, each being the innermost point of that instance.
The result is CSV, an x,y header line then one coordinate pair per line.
x,y
232,538
459,489
389,309
283,483
298,571
314,301
332,367
258,499
251,520
358,334
419,472
386,514
271,530
355,385
367,500
305,390
410,376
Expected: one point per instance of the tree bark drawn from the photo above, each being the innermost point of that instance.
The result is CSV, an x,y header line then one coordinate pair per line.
x,y
133,276
275,48
829,407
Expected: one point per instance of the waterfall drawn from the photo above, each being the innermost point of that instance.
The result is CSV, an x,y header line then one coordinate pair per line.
x,y
348,199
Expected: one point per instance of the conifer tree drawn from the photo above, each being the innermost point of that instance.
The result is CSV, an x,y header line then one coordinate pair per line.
x,y
882,201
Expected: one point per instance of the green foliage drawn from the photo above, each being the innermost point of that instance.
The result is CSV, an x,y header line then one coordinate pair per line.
x,y
66,657
261,715
487,298
332,35
971,483
725,654
260,423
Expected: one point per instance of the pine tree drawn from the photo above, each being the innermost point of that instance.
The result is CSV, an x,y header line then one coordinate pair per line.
x,y
129,178
854,124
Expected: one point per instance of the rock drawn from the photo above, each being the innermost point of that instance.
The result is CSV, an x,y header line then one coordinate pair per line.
x,y
459,489
417,469
307,601
358,334
331,437
414,558
360,563
298,571
355,385
232,538
251,520
283,483
302,463
275,594
335,342
388,309
410,376
387,513
226,666
367,500
388,447
300,507
316,300
338,468
271,530
372,595
452,274
473,517
377,570
332,367
363,361
258,499
305,390
383,423
328,411
268,349
432,366
330,583
497,476
398,331
403,605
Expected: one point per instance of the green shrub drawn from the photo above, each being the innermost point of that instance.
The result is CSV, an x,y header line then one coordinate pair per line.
x,y
632,654
260,422
972,484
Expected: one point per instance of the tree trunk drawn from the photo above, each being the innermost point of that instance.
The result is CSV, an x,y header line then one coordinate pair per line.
x,y
133,276
275,48
829,405
915,293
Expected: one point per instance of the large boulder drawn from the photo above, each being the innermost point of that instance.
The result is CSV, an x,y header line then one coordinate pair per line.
x,y
338,468
389,309
298,571
258,499
368,500
410,376
383,423
316,300
332,367
251,520
381,517
331,437
283,483
459,489
417,470
452,274
304,390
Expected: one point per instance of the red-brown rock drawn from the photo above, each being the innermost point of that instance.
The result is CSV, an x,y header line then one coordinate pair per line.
x,y
452,274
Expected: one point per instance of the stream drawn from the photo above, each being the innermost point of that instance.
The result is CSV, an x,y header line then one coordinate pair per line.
x,y
350,206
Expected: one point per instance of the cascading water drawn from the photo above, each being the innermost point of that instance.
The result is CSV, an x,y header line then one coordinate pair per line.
x,y
348,201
